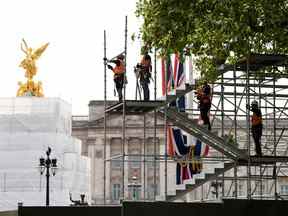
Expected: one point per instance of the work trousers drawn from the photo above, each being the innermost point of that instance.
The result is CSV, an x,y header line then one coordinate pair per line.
x,y
119,80
145,86
257,133
204,111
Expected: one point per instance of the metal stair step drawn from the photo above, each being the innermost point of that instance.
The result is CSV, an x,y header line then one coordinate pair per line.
x,y
180,187
189,181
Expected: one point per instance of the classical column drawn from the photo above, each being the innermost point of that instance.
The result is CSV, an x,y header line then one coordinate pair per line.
x,y
108,169
91,155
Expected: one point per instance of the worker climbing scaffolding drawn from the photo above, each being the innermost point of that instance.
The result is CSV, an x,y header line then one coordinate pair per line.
x,y
118,71
204,96
257,126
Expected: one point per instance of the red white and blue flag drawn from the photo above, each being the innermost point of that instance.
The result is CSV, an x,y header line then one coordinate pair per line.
x,y
176,142
163,69
168,72
179,71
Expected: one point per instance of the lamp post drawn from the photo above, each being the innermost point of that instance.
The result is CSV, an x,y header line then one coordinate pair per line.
x,y
134,181
47,164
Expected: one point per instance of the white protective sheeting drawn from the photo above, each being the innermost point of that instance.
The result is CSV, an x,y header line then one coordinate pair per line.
x,y
28,126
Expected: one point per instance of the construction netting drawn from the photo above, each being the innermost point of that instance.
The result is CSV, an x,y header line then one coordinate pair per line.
x,y
28,126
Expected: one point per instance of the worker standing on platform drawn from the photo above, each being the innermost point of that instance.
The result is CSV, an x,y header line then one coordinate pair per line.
x,y
257,127
144,75
119,78
204,97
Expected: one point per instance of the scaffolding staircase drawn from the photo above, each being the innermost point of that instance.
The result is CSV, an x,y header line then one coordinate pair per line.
x,y
200,181
221,144
182,121
190,126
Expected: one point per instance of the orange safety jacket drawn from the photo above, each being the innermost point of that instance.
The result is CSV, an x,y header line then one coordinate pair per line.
x,y
146,65
119,69
256,119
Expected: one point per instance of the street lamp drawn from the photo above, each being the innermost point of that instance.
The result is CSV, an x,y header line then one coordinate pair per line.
x,y
134,181
47,164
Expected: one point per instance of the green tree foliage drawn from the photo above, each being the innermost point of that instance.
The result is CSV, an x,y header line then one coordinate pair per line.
x,y
215,30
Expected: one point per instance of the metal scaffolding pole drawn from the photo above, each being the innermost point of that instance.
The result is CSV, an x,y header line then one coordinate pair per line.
x,y
105,123
222,128
274,136
248,129
260,166
155,126
124,114
235,132
144,158
165,137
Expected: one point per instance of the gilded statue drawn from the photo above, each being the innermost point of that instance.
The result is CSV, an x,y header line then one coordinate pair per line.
x,y
31,87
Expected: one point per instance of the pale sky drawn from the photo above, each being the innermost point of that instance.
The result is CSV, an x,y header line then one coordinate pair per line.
x,y
71,67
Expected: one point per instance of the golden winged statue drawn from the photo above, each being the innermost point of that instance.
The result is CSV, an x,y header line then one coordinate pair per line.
x,y
30,88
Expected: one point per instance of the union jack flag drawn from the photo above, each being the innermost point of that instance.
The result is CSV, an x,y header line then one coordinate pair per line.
x,y
179,71
168,72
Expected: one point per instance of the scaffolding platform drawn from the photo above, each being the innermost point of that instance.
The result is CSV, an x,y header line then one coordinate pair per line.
x,y
135,107
256,62
269,159
255,160
140,106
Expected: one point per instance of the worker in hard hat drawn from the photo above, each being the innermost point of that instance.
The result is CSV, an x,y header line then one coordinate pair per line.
x,y
144,75
257,127
204,96
118,70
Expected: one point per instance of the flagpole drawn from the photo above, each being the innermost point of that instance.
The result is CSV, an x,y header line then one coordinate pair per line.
x,y
165,128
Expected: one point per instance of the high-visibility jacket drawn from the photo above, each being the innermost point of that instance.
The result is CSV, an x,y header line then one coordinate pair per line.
x,y
205,102
119,69
256,118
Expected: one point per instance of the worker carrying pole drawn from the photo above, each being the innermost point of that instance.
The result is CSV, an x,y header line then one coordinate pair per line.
x,y
118,71
257,126
204,96
144,69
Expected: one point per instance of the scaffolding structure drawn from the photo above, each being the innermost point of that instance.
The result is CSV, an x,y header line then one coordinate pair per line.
x,y
237,85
